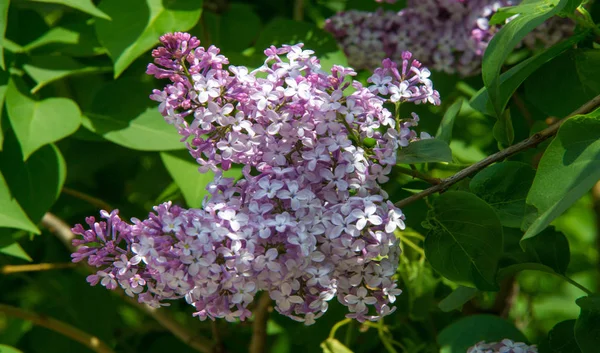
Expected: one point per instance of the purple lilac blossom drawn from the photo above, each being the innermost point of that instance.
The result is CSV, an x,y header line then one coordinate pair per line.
x,y
504,346
307,222
447,35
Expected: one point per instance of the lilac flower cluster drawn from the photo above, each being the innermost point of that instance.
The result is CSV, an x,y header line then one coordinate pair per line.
x,y
448,35
505,346
307,222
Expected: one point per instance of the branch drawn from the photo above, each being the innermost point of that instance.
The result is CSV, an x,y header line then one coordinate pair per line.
x,y
200,344
259,325
418,175
499,156
94,201
92,342
298,10
8,269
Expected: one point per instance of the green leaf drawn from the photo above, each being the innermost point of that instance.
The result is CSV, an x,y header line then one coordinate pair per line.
x,y
504,186
331,345
503,131
576,69
184,170
550,248
11,213
8,349
513,78
47,69
561,339
532,13
73,38
224,30
36,183
126,39
568,169
37,123
464,243
4,76
444,131
587,326
425,151
86,6
456,299
464,333
14,250
4,5
122,113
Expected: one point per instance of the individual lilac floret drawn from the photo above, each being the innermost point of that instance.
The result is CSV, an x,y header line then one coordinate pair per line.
x,y
307,222
505,346
447,35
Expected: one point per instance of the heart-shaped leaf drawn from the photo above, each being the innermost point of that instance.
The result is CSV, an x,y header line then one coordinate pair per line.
x,y
37,123
11,213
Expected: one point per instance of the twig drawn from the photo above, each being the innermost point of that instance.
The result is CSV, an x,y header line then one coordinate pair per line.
x,y
496,157
8,269
92,342
259,325
418,175
94,201
506,296
298,10
523,109
64,234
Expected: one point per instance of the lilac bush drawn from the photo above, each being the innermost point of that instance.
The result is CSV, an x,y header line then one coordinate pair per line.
x,y
447,35
307,222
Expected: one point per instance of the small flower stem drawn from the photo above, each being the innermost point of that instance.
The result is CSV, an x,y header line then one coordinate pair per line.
x,y
298,10
418,175
8,269
587,20
412,245
337,326
92,342
532,141
571,281
386,343
94,201
258,341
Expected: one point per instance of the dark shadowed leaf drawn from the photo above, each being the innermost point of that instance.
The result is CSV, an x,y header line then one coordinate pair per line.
x,y
464,243
532,14
504,186
466,332
587,326
561,339
36,183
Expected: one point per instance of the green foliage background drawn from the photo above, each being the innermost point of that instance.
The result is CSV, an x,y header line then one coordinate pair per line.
x,y
78,132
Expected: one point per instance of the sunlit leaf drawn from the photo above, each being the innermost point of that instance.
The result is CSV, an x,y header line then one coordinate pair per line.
x,y
127,39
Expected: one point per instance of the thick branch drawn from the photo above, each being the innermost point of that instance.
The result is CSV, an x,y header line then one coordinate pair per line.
x,y
259,325
92,342
499,156
63,232
7,269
